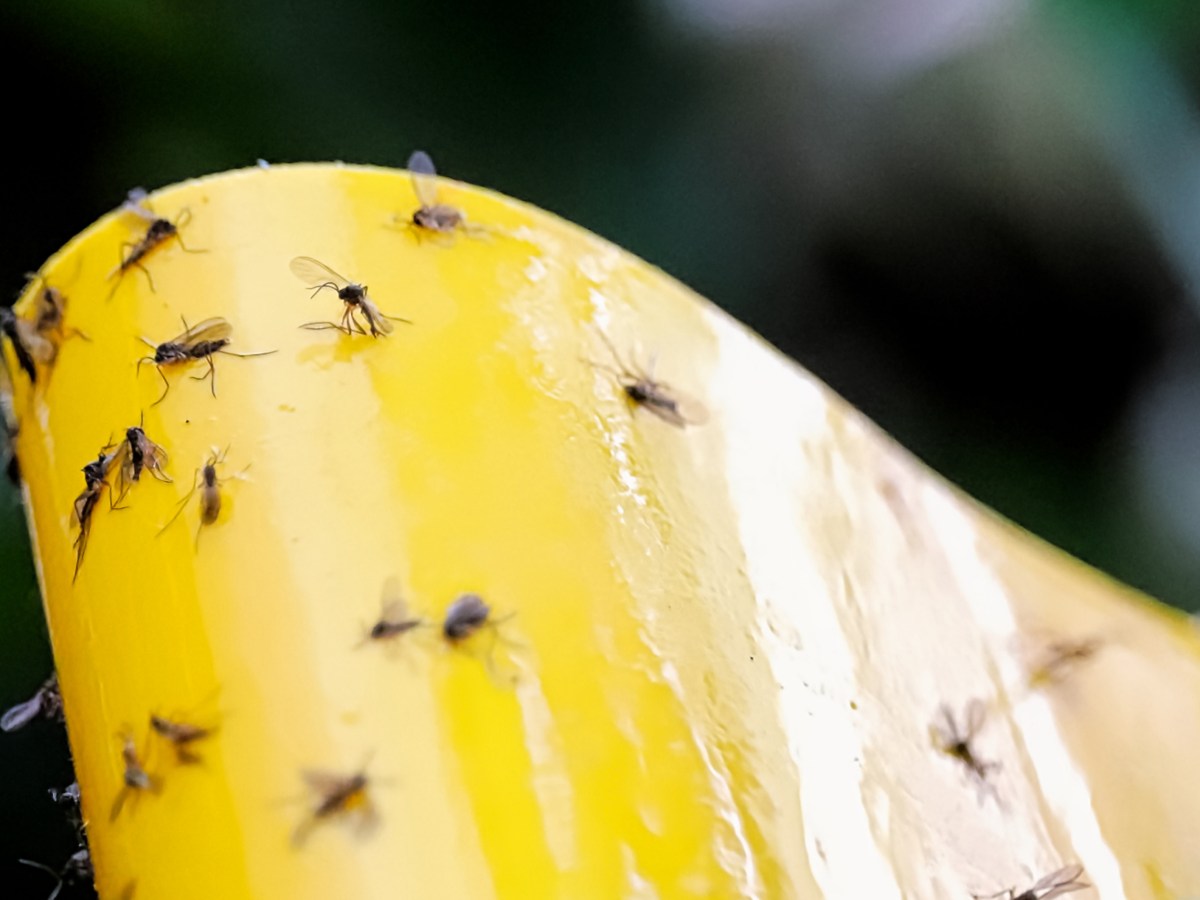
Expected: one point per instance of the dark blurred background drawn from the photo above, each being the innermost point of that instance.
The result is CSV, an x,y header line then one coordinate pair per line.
x,y
979,220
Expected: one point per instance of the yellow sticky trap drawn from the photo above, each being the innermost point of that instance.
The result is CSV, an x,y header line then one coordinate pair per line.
x,y
726,640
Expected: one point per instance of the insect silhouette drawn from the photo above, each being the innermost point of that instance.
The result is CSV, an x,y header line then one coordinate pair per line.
x,y
67,796
78,867
394,618
955,743
182,736
135,777
337,795
432,216
76,870
201,341
319,277
158,232
206,481
468,615
10,427
95,476
28,345
46,702
656,397
1062,881
137,454
50,313
1060,657
464,617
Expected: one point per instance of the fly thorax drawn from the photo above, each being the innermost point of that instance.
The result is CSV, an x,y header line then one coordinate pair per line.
x,y
169,353
159,230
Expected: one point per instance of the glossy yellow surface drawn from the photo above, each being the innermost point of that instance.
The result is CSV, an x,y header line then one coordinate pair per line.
x,y
718,648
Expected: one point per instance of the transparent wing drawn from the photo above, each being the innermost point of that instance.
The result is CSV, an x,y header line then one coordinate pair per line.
x,y
665,408
78,508
35,344
688,408
942,729
135,203
976,713
154,458
122,461
375,318
1064,881
424,178
391,602
22,714
322,782
214,329
314,272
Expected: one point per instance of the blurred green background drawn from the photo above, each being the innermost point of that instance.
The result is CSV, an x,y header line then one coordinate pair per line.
x,y
978,220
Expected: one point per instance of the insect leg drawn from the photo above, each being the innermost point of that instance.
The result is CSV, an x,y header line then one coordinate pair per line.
x,y
166,386
182,503
211,373
146,272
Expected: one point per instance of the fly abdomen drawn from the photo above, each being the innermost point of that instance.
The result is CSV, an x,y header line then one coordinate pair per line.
x,y
208,348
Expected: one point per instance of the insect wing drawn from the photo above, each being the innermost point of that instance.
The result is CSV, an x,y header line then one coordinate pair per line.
x,y
35,343
82,507
424,178
975,714
943,730
135,203
327,784
377,320
692,410
675,407
122,461
155,458
315,273
393,609
22,714
1064,881
214,329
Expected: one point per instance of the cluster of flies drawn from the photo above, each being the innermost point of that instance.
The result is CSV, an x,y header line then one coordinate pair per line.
x,y
37,341
119,466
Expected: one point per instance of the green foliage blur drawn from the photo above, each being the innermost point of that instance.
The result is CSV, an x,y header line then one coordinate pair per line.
x,y
977,220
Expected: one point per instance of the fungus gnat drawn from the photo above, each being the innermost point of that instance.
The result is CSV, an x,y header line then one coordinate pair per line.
x,y
137,453
76,870
395,618
1059,657
28,345
464,617
50,313
95,476
182,735
949,740
135,777
1062,881
337,795
206,481
653,396
200,341
431,215
318,276
158,232
68,796
46,702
